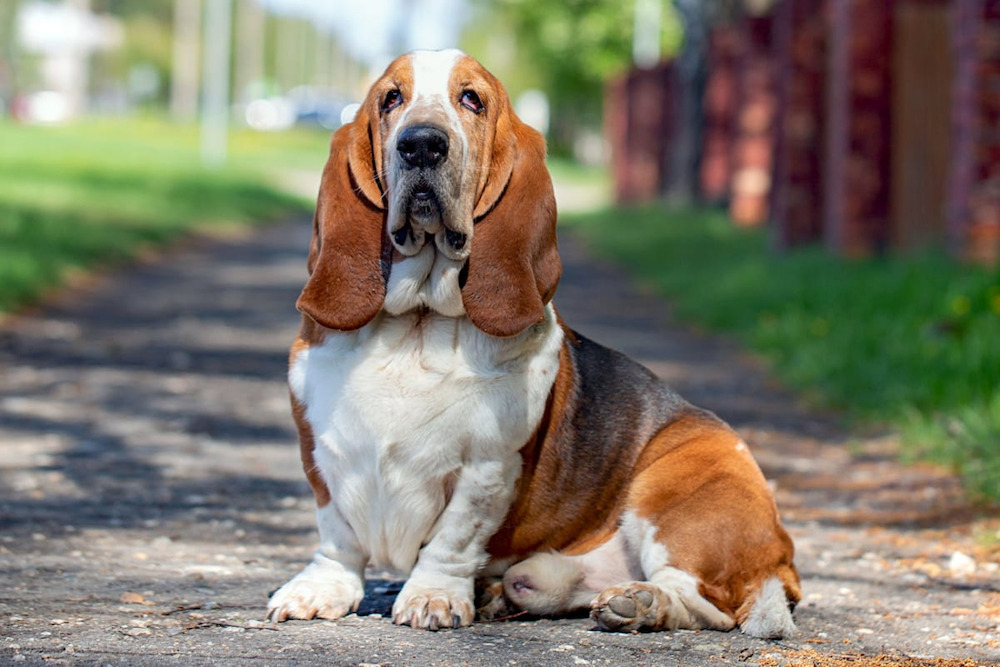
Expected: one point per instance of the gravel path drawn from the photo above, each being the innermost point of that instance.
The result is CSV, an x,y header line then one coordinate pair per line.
x,y
151,496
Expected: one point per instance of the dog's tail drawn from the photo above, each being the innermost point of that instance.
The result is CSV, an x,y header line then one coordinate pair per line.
x,y
767,613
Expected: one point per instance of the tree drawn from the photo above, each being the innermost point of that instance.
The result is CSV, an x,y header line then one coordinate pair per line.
x,y
577,45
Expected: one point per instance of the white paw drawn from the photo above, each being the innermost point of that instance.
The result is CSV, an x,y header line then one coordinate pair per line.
x,y
319,591
447,604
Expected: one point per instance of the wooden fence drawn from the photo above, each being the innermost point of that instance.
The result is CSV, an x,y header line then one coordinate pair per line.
x,y
862,124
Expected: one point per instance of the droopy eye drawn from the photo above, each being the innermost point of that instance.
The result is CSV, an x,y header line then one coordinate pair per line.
x,y
470,100
392,100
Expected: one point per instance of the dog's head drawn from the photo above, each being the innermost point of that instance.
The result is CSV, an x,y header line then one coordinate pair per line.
x,y
436,155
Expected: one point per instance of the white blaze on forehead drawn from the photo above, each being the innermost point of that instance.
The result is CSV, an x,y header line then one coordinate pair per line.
x,y
431,75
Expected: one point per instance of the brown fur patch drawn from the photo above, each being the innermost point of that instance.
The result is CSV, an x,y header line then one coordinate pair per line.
x,y
714,512
311,334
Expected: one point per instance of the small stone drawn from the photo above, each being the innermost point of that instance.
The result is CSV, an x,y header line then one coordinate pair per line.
x,y
961,564
211,605
131,598
18,658
58,621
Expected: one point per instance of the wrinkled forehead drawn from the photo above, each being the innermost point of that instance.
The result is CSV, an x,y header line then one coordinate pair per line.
x,y
431,77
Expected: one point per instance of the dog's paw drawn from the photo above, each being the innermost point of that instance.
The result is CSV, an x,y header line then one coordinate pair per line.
x,y
319,591
627,608
433,608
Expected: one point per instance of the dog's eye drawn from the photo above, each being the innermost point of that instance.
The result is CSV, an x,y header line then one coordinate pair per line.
x,y
470,100
392,100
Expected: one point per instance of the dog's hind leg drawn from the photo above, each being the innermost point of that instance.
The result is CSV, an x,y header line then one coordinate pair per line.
x,y
701,520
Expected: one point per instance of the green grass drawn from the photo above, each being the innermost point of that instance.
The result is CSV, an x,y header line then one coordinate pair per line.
x,y
909,341
78,197
574,173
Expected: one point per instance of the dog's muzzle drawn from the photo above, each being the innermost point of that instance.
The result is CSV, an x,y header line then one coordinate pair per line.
x,y
423,151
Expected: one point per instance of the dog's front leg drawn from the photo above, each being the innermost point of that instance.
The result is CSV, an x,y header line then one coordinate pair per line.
x,y
439,592
332,585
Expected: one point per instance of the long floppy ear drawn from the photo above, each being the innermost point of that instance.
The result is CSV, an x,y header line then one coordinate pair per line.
x,y
514,265
350,254
364,155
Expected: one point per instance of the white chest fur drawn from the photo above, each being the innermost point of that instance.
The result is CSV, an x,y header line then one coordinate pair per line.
x,y
402,406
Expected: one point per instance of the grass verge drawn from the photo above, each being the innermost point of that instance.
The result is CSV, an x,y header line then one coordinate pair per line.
x,y
76,197
912,341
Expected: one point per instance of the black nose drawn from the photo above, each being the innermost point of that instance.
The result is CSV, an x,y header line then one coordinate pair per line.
x,y
422,146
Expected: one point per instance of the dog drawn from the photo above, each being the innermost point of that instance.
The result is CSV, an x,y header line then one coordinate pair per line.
x,y
454,429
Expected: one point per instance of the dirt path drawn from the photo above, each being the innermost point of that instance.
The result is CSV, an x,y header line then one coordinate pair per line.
x,y
150,494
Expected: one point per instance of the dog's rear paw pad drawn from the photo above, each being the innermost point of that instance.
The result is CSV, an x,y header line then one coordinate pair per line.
x,y
625,609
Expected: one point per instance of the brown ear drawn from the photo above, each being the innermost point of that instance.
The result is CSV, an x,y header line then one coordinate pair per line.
x,y
514,265
364,155
350,254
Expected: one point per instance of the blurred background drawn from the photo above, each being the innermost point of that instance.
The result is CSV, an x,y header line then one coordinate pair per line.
x,y
864,124
820,178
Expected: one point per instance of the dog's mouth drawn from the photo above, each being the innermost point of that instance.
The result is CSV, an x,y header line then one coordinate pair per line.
x,y
424,209
423,220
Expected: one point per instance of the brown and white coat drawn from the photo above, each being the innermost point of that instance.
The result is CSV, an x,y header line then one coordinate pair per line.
x,y
454,429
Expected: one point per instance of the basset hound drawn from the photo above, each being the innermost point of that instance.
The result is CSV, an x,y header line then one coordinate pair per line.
x,y
454,429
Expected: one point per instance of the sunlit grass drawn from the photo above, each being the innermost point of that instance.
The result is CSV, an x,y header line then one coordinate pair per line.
x,y
909,341
79,196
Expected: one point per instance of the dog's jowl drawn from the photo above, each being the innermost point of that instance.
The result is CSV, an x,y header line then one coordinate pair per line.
x,y
454,429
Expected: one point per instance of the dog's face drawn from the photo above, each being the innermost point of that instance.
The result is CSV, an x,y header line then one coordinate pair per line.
x,y
435,115
435,151
435,111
